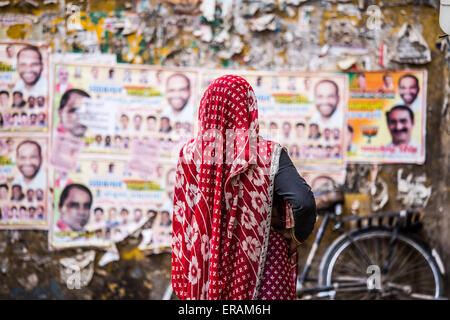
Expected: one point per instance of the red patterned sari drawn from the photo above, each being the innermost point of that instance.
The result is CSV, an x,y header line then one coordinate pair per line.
x,y
222,244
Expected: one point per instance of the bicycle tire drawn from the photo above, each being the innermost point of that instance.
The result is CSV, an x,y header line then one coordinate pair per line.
x,y
417,247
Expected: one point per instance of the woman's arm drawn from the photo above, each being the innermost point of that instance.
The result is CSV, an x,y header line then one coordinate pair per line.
x,y
291,187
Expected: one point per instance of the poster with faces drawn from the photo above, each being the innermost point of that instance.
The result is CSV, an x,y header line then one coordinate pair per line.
x,y
24,89
110,106
304,112
102,201
386,117
23,183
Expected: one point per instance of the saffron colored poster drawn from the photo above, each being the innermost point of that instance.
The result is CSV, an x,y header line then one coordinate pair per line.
x,y
386,117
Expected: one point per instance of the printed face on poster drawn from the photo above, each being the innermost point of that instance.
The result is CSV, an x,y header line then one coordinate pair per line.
x,y
24,91
108,106
386,117
23,183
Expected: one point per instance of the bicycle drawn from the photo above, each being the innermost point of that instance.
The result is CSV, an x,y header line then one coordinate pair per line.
x,y
403,265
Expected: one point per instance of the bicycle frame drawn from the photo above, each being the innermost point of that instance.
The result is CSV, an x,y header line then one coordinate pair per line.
x,y
303,278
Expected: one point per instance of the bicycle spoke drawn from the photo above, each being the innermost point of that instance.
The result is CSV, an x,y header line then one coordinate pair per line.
x,y
362,253
404,260
361,262
409,270
349,268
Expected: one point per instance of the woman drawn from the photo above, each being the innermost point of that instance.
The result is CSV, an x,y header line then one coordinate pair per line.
x,y
230,223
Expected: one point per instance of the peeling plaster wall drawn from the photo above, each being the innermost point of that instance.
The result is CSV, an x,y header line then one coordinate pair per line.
x,y
29,270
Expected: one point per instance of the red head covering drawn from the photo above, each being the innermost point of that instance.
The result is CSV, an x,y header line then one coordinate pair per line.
x,y
223,198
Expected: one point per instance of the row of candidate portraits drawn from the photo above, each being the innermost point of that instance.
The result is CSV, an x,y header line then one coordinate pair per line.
x,y
302,131
25,104
291,85
400,119
22,213
155,126
178,117
17,101
153,123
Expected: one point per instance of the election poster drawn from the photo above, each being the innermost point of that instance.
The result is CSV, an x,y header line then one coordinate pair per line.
x,y
23,182
305,112
102,201
110,106
120,129
24,89
386,117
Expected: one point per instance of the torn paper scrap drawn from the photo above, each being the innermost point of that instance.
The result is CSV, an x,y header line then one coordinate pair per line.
x,y
266,22
65,152
111,255
410,46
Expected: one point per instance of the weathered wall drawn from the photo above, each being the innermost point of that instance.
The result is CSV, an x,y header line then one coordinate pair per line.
x,y
29,270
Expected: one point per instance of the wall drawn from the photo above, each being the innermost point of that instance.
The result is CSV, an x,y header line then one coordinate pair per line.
x,y
168,34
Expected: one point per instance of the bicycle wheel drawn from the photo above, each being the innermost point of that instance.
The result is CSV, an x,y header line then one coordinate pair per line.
x,y
412,271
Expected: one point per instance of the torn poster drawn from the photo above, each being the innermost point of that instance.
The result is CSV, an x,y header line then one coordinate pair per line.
x,y
102,201
158,237
111,255
144,156
65,152
410,46
208,8
412,190
265,22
